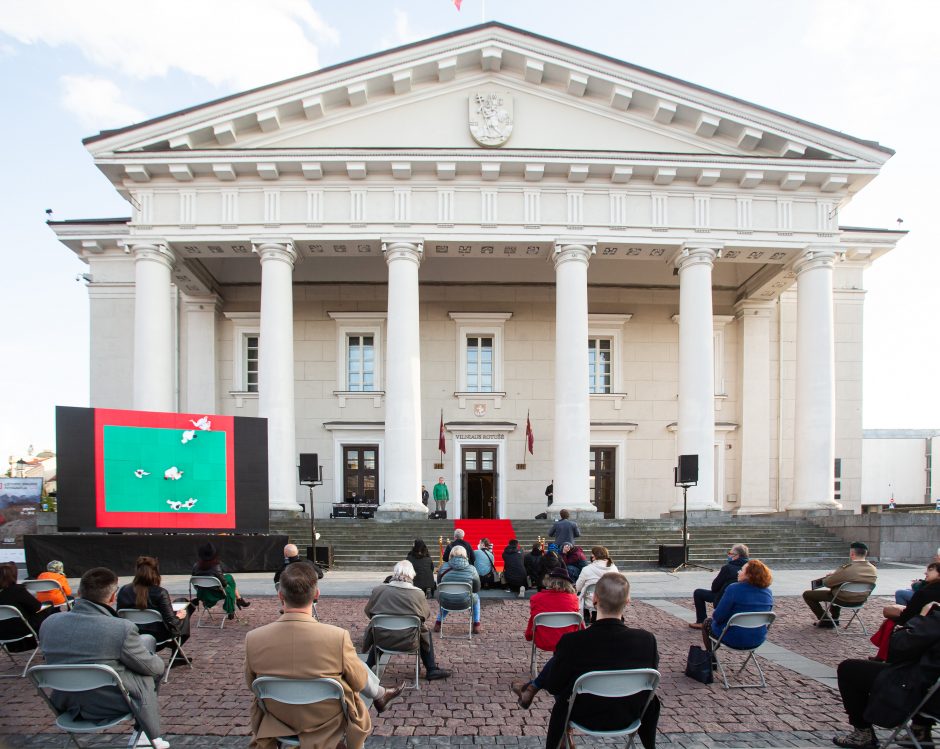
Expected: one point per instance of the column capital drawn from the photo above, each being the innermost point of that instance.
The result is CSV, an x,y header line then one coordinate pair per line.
x,y
275,248
199,302
403,248
815,257
155,250
573,249
697,253
753,308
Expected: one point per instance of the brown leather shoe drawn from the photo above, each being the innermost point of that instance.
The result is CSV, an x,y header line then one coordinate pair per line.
x,y
477,628
381,703
696,625
437,626
526,694
517,687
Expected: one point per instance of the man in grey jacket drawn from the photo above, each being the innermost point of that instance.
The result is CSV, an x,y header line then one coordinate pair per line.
x,y
399,597
92,632
564,531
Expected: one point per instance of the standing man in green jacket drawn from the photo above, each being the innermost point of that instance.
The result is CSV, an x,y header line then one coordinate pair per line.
x,y
441,495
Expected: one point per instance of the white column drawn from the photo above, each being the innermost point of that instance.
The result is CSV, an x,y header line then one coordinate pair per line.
x,y
200,318
814,436
754,454
572,427
276,370
153,328
403,379
696,427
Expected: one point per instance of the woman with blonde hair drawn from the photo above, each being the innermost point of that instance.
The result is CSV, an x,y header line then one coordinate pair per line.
x,y
600,565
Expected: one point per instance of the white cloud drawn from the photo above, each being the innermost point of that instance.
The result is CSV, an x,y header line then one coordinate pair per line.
x,y
402,32
239,43
96,102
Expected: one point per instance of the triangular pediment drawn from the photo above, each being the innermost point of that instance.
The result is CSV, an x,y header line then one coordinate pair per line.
x,y
416,97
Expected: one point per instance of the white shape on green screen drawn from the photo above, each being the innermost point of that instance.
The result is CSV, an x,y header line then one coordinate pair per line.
x,y
172,474
189,434
140,473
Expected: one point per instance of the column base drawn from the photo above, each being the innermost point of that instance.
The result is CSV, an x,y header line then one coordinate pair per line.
x,y
394,511
824,504
697,507
288,507
576,512
754,511
699,514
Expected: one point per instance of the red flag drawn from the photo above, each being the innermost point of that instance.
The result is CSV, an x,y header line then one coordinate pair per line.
x,y
529,435
457,4
441,442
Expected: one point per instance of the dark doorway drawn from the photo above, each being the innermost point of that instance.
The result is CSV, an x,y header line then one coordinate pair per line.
x,y
603,479
361,473
479,483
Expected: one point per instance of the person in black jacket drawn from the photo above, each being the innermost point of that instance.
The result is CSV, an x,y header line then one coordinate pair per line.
x,y
144,592
549,561
14,594
420,559
532,561
606,645
292,556
514,573
458,541
884,694
737,558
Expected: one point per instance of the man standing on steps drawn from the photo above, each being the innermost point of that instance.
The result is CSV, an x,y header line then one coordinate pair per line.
x,y
441,496
564,531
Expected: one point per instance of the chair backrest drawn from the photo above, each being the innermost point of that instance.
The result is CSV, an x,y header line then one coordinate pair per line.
x,y
557,619
853,588
11,612
42,586
454,589
205,581
8,613
141,616
298,691
389,621
621,683
75,678
751,619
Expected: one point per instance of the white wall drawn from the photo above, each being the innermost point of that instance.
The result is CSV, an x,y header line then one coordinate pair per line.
x,y
894,465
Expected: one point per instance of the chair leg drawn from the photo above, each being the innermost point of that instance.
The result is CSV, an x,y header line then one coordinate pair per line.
x,y
532,659
417,667
26,667
721,668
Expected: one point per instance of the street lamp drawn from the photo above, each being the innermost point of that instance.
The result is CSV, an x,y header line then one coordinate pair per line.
x,y
21,467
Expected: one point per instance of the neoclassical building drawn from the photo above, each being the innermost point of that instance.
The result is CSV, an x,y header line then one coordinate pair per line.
x,y
481,228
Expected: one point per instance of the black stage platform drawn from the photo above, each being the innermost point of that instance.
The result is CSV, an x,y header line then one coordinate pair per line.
x,y
80,552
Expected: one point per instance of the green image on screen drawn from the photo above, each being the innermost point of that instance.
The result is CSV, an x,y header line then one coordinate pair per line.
x,y
200,461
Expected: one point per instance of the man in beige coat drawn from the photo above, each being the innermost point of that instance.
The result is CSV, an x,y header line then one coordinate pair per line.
x,y
857,570
296,646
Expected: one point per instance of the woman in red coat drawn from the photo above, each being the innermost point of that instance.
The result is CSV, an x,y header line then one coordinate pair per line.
x,y
558,595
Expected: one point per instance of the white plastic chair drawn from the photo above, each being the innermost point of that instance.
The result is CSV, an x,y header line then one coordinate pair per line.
x,y
44,586
84,678
906,725
152,616
11,613
205,582
456,589
623,683
587,597
553,620
389,622
855,608
743,620
297,692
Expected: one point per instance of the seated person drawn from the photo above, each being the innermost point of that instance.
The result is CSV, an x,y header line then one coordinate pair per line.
x,y
92,633
292,556
400,597
737,558
573,558
14,594
209,564
549,561
870,690
903,596
514,573
606,645
900,615
55,570
420,559
531,561
750,593
558,595
328,651
458,541
459,570
485,563
144,592
600,565
857,570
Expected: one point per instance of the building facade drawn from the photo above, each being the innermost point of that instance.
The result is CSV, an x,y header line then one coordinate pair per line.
x,y
482,230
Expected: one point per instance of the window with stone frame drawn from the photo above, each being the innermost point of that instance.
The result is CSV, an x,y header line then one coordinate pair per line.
x,y
360,363
479,364
600,365
250,364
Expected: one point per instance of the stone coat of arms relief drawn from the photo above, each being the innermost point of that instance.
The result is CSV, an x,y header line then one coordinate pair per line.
x,y
491,118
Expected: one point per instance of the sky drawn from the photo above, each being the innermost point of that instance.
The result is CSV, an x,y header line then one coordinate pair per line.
x,y
69,69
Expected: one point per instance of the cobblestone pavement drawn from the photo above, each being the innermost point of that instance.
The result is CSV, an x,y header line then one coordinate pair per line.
x,y
209,705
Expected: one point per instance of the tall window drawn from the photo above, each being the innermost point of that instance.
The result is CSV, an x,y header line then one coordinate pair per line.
x,y
360,363
599,361
361,473
251,363
479,364
837,494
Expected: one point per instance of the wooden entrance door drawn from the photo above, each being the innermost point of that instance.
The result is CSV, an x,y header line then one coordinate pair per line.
x,y
603,479
479,478
361,473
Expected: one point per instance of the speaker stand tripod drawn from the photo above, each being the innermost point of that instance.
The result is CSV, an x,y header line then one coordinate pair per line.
x,y
686,564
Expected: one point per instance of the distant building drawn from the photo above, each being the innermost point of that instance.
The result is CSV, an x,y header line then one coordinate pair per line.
x,y
900,463
490,225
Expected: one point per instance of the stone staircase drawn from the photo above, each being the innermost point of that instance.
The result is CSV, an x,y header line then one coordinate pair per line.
x,y
633,544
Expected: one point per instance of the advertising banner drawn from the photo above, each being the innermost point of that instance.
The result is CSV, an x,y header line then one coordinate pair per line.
x,y
19,503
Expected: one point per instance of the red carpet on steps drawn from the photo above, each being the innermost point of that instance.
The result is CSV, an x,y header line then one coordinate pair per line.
x,y
499,532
